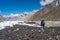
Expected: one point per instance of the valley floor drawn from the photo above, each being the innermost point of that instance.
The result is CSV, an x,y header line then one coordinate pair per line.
x,y
23,32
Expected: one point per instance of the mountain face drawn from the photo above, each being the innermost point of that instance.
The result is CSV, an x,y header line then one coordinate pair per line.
x,y
50,13
26,17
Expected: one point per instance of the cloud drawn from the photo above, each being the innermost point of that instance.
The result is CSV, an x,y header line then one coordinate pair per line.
x,y
34,11
46,2
31,12
42,3
11,15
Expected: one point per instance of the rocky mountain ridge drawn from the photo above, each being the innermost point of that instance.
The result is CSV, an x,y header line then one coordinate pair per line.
x,y
49,13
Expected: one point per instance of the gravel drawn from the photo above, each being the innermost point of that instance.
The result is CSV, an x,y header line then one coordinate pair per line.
x,y
23,32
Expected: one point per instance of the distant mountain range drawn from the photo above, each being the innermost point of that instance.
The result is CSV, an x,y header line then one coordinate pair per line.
x,y
50,13
23,17
2,18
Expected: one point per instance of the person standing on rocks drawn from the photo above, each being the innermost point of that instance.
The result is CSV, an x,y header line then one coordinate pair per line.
x,y
43,24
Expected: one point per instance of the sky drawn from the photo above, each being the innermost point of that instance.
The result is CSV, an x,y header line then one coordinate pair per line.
x,y
8,7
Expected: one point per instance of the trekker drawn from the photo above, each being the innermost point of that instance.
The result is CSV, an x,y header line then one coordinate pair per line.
x,y
43,24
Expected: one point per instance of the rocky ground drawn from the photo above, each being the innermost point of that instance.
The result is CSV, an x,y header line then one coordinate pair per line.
x,y
23,32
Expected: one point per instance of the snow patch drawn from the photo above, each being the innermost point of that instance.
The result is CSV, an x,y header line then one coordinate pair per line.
x,y
57,3
8,23
11,23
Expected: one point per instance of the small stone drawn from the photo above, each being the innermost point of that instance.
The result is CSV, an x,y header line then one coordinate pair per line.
x,y
16,29
57,37
9,37
17,35
39,30
32,30
27,39
9,30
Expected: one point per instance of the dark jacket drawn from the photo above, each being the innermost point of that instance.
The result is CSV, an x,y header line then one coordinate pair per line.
x,y
42,23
